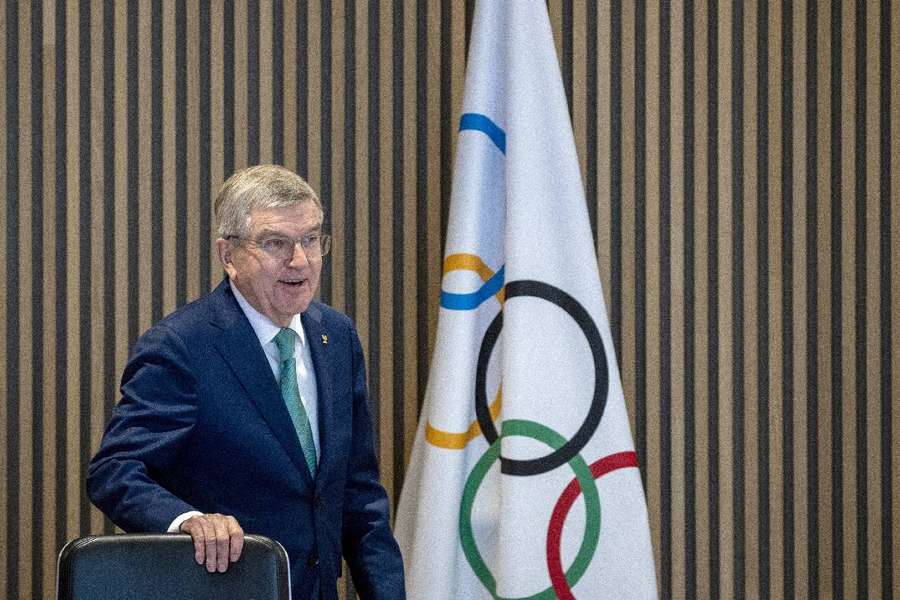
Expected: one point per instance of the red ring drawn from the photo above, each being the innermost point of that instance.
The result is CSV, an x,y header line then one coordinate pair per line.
x,y
599,468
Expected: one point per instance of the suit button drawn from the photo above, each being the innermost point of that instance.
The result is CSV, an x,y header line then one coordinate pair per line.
x,y
313,560
317,501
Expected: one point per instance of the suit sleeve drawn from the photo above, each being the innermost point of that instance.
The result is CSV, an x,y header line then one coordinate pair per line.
x,y
147,431
369,546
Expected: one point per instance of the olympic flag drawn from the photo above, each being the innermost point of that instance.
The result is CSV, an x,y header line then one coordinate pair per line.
x,y
523,482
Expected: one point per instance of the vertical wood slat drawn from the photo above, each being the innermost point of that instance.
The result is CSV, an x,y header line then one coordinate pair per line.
x,y
190,46
673,286
722,228
43,527
94,422
796,431
267,91
73,408
240,66
334,156
51,494
146,204
752,125
626,296
871,455
168,109
361,192
699,250
120,237
216,114
845,584
6,393
289,116
890,234
771,375
648,307
404,225
26,454
313,86
602,165
817,463
580,61
432,253
821,573
382,32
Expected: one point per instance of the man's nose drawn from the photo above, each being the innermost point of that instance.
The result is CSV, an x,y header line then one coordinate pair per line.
x,y
298,256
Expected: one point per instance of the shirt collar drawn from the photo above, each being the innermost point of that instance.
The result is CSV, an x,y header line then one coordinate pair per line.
x,y
264,328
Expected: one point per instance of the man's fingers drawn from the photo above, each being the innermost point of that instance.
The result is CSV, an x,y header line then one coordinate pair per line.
x,y
194,527
217,539
237,538
209,534
222,542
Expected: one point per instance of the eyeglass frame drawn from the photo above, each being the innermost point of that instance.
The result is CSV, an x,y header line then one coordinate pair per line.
x,y
306,242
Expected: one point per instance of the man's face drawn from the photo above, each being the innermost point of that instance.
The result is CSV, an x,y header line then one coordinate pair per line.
x,y
279,289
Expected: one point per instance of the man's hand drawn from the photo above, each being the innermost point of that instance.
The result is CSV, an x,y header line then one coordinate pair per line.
x,y
218,539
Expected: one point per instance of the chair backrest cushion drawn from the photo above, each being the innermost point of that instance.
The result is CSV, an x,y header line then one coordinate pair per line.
x,y
162,566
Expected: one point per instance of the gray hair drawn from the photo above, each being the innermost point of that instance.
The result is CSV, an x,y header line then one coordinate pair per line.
x,y
258,188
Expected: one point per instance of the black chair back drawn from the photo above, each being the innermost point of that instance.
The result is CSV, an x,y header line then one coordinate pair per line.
x,y
162,566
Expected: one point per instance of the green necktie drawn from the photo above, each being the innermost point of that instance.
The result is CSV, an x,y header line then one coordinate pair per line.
x,y
291,394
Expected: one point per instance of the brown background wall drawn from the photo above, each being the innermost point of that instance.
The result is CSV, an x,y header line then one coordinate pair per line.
x,y
741,164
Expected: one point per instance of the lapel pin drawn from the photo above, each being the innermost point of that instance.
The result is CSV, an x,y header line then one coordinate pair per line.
x,y
324,339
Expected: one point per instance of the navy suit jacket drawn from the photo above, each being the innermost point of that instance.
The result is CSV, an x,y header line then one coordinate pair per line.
x,y
201,425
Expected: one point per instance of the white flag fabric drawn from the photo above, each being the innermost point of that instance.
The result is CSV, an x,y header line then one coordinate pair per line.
x,y
523,481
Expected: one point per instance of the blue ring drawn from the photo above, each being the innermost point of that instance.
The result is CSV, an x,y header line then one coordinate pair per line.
x,y
474,299
479,122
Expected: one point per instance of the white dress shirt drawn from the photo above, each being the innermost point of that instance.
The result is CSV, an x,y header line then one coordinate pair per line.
x,y
266,331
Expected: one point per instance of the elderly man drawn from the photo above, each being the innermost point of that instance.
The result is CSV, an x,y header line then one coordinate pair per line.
x,y
246,410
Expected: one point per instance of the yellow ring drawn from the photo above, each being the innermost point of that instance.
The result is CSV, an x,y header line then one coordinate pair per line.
x,y
458,441
471,262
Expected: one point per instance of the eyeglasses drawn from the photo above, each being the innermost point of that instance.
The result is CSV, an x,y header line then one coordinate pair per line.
x,y
279,247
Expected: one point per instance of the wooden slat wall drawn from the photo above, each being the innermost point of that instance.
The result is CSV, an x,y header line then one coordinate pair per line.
x,y
740,160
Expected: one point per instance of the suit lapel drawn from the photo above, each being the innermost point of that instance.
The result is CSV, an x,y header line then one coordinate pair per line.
x,y
317,337
240,348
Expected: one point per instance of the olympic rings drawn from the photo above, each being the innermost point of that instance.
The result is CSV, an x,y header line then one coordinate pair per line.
x,y
545,291
605,465
458,441
492,283
493,286
585,480
563,451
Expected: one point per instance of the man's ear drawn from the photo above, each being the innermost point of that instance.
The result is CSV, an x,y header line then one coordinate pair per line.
x,y
224,250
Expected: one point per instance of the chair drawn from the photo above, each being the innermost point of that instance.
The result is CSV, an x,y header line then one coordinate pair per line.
x,y
162,566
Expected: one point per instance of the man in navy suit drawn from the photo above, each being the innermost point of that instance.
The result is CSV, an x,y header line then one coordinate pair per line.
x,y
247,409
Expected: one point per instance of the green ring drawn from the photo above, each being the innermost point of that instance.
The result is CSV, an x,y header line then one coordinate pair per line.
x,y
585,479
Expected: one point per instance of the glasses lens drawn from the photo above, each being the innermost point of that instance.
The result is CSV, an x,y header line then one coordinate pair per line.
x,y
282,248
285,250
276,247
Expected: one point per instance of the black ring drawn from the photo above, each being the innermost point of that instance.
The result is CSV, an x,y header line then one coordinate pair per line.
x,y
545,291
